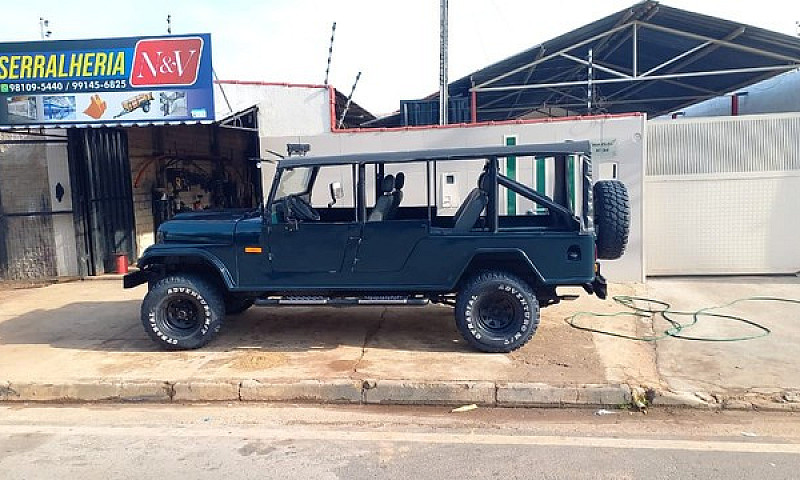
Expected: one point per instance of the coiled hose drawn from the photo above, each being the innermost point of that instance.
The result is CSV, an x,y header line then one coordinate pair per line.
x,y
676,329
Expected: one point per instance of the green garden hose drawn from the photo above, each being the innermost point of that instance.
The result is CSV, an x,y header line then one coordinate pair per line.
x,y
676,329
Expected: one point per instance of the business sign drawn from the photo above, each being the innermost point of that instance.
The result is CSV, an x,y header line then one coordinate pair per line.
x,y
106,81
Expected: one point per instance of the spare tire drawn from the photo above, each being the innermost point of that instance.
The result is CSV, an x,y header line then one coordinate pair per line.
x,y
612,218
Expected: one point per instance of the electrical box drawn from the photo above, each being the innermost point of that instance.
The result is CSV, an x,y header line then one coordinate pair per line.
x,y
449,196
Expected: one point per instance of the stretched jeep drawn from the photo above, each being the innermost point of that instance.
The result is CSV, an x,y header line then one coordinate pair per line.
x,y
393,229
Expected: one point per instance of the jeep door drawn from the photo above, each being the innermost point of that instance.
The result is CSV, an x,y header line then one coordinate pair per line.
x,y
388,241
306,252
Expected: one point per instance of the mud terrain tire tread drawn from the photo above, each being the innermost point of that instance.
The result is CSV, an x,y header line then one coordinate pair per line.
x,y
518,291
204,297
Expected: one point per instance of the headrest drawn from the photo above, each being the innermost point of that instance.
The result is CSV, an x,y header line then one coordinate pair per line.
x,y
483,182
399,180
388,184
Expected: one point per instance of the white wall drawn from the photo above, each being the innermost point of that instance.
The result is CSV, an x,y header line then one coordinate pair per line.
x,y
623,140
283,110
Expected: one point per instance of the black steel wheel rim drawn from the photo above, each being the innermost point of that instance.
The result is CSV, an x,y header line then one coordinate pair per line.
x,y
497,312
181,315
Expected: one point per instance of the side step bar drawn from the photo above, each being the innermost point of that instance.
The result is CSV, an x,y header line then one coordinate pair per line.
x,y
341,301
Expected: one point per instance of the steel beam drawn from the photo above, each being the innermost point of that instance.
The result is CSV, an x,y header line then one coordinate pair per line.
x,y
595,65
639,79
552,55
720,42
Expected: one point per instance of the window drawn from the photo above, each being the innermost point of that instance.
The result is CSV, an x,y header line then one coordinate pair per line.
x,y
328,176
293,181
408,197
334,177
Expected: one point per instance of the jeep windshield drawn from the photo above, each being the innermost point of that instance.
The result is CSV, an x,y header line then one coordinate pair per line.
x,y
294,181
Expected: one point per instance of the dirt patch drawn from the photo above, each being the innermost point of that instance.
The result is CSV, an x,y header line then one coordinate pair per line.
x,y
252,361
557,354
342,365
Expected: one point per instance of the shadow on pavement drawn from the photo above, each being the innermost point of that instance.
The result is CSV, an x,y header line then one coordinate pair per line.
x,y
114,326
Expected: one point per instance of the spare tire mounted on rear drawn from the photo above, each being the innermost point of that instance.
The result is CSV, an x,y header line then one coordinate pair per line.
x,y
612,217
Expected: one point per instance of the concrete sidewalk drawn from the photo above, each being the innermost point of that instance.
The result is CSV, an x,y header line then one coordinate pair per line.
x,y
83,341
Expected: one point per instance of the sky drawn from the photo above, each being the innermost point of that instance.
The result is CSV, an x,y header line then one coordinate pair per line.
x,y
395,44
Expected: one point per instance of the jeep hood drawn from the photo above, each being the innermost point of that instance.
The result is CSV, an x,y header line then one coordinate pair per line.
x,y
206,227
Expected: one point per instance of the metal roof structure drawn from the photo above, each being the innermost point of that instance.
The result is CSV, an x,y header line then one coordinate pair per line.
x,y
544,149
648,58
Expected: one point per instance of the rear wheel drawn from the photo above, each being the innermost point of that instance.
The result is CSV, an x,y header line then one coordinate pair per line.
x,y
497,312
182,312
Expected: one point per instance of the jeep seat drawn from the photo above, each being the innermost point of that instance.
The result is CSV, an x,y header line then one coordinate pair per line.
x,y
384,203
470,210
397,194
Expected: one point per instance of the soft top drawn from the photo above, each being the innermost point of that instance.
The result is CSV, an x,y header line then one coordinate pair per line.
x,y
542,149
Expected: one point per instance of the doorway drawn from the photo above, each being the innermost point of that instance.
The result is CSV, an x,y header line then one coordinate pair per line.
x,y
102,198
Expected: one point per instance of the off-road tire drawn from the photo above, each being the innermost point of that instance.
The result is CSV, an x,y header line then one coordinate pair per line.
x,y
496,312
183,312
236,304
612,218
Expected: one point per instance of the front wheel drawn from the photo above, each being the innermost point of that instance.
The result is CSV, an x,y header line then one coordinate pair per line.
x,y
497,312
182,312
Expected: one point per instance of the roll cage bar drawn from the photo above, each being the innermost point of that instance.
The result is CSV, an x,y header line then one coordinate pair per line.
x,y
558,206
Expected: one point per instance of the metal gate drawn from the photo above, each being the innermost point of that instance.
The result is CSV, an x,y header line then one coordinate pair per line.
x,y
102,197
721,195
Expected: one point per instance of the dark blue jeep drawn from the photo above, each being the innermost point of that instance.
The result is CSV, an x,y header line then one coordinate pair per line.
x,y
393,229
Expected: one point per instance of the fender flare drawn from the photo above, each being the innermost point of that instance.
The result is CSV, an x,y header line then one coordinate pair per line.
x,y
513,253
159,256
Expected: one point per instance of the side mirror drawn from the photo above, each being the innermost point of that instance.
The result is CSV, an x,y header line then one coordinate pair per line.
x,y
337,193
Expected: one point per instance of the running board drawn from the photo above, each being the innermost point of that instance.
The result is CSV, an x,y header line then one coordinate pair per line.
x,y
341,301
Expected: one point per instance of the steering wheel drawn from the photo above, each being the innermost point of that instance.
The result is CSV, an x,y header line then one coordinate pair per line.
x,y
301,209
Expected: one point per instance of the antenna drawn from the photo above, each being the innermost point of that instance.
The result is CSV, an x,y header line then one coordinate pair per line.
x,y
330,53
349,99
44,30
443,101
169,24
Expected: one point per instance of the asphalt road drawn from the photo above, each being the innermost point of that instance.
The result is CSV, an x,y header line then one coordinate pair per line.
x,y
291,442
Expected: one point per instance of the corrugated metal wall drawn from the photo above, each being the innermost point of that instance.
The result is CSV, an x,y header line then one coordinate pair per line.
x,y
721,195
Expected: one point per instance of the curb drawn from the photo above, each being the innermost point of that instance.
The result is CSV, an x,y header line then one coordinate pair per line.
x,y
394,392
341,391
757,399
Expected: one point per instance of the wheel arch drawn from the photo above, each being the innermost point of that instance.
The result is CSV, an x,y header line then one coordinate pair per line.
x,y
195,261
511,260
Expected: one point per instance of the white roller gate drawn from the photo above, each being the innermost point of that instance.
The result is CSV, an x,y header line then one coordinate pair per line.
x,y
722,195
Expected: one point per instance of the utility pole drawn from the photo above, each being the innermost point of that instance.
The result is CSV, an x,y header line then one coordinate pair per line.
x,y
44,30
443,101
